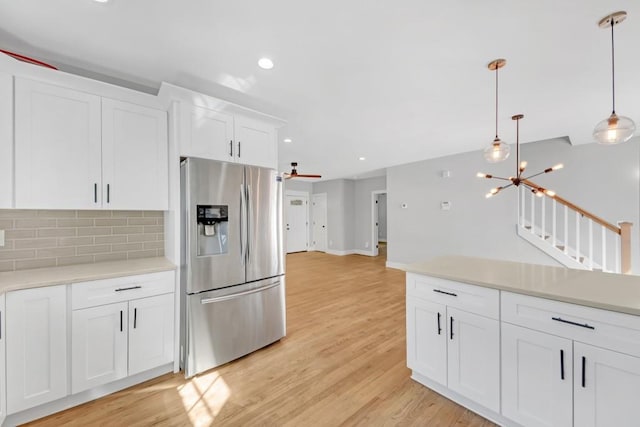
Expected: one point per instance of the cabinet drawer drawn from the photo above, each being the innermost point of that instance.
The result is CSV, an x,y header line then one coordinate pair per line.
x,y
470,298
99,292
615,331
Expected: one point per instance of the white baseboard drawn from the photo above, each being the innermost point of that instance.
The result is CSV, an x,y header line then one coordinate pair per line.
x,y
396,265
340,253
382,240
365,253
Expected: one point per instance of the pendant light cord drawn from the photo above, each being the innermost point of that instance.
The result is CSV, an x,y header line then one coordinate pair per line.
x,y
518,173
613,68
497,68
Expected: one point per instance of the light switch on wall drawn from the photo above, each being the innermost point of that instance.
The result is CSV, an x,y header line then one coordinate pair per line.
x,y
1,238
445,206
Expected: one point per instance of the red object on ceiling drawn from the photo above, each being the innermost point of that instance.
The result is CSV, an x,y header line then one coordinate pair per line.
x,y
27,59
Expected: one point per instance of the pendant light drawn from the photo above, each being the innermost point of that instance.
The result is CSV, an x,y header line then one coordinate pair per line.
x,y
498,151
518,179
615,128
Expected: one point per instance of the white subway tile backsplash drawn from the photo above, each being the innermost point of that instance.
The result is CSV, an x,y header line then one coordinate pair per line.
x,y
47,238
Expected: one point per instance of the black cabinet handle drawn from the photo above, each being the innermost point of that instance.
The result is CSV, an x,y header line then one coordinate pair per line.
x,y
239,142
120,320
562,365
108,191
128,289
446,293
584,381
135,317
451,328
582,325
231,148
95,192
439,327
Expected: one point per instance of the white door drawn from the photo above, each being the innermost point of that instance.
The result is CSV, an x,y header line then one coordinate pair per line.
x,y
36,347
319,214
57,147
150,332
474,357
208,134
537,378
255,143
427,339
6,141
98,346
134,157
606,387
296,222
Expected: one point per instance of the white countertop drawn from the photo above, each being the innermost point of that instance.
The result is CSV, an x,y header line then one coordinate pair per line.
x,y
35,278
607,291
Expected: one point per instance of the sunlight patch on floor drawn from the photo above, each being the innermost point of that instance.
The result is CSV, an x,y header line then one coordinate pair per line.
x,y
204,397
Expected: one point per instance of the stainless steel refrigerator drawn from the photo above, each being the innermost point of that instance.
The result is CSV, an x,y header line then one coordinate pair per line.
x,y
232,272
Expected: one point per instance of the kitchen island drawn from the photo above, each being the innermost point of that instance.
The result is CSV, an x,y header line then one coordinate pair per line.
x,y
525,344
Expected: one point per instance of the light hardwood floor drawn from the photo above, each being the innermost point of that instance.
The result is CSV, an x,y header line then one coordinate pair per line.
x,y
342,362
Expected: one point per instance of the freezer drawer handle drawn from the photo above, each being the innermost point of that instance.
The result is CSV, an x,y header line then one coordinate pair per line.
x,y
128,289
238,295
582,325
446,293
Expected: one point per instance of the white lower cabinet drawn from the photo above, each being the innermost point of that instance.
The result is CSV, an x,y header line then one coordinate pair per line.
x,y
150,332
36,347
474,357
3,378
427,339
606,387
98,346
537,377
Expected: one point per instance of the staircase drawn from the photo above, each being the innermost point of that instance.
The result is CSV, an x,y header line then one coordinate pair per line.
x,y
571,235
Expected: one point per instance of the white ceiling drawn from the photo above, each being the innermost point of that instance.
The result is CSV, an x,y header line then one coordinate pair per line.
x,y
395,82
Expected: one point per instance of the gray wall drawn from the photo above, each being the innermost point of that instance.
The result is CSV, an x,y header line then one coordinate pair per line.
x,y
603,180
362,219
382,216
298,185
340,212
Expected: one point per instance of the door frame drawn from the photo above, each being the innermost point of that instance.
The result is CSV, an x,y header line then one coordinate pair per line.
x,y
374,228
326,207
297,193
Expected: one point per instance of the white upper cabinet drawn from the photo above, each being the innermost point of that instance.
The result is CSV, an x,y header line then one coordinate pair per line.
x,y
134,157
208,134
6,141
75,150
57,147
255,143
218,135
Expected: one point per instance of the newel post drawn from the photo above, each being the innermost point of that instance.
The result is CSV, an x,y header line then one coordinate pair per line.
x,y
625,247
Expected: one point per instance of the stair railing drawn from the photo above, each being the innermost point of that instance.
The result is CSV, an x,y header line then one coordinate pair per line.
x,y
569,236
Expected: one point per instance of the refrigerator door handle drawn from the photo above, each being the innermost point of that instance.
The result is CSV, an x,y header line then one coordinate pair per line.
x,y
239,294
250,220
243,222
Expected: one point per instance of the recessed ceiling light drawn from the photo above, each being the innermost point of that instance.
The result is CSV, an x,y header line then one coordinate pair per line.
x,y
265,63
287,140
362,158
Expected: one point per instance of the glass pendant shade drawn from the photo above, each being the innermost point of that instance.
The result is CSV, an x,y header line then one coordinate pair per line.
x,y
498,151
614,130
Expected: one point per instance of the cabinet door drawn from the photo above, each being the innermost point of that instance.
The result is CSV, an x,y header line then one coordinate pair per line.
x,y
134,156
150,332
3,378
255,143
474,357
207,134
36,347
606,387
427,339
6,141
57,147
98,346
537,377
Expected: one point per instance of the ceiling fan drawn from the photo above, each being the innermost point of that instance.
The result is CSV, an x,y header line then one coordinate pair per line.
x,y
294,173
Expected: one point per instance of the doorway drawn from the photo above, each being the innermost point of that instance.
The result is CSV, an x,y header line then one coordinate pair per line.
x,y
297,221
319,222
379,223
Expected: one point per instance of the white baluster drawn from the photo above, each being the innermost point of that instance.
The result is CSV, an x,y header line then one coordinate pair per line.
x,y
533,211
543,214
590,244
554,207
577,236
566,230
617,243
604,249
